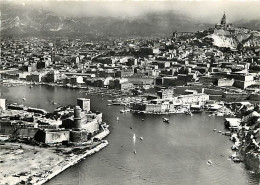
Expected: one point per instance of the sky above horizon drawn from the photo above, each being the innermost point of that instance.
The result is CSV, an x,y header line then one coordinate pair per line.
x,y
205,11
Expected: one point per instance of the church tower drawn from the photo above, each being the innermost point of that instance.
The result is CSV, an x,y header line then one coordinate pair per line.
x,y
223,20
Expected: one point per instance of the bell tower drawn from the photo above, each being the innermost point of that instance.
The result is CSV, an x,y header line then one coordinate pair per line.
x,y
223,20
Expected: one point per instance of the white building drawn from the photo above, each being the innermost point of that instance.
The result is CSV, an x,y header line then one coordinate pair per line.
x,y
2,104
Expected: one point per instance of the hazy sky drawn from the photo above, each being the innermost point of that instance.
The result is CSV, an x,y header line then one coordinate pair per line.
x,y
209,11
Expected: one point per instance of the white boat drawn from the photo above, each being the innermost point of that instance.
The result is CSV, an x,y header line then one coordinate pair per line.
x,y
117,118
23,99
134,138
134,151
141,138
122,111
209,162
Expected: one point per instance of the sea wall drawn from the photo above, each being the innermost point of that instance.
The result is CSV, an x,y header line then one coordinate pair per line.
x,y
72,161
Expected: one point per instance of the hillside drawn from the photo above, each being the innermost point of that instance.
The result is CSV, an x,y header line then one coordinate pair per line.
x,y
236,39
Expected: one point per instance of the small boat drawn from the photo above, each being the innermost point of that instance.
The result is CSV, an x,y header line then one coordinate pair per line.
x,y
237,160
127,110
134,138
214,129
134,151
219,131
209,162
166,120
122,111
109,104
23,99
142,119
141,138
117,118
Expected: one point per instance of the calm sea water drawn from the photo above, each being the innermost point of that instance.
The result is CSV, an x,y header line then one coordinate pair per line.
x,y
175,153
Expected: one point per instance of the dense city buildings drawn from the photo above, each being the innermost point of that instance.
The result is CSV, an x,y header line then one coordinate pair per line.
x,y
127,64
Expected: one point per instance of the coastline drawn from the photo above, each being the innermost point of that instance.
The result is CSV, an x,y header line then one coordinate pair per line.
x,y
77,158
39,168
73,161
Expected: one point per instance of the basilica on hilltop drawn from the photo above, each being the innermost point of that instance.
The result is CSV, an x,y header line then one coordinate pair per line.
x,y
223,24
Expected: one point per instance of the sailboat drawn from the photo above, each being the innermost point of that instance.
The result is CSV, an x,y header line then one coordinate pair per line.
x,y
134,139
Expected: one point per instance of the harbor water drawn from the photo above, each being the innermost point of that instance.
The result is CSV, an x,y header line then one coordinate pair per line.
x,y
167,153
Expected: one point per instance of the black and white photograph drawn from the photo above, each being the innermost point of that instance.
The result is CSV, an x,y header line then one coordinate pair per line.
x,y
130,92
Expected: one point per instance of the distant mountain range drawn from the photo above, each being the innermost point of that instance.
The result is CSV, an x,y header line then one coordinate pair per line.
x,y
20,20
27,21
252,24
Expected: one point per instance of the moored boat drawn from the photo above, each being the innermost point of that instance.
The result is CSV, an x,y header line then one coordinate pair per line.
x,y
166,120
